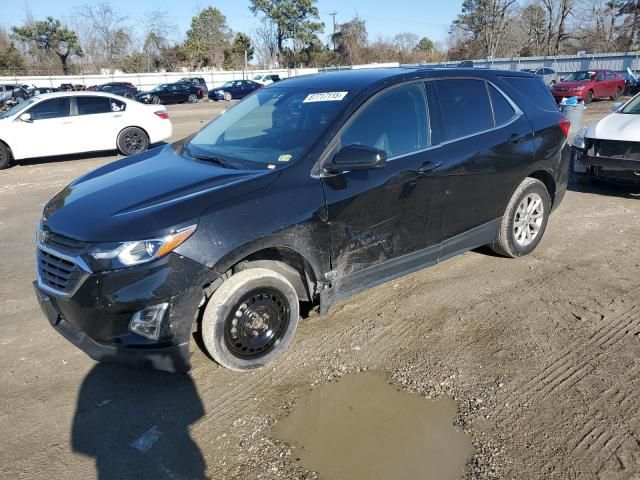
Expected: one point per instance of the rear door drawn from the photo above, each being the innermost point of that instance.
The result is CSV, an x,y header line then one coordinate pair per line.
x,y
99,120
486,146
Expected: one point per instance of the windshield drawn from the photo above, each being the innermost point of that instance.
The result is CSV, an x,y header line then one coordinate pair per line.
x,y
579,77
227,85
271,127
633,106
162,86
18,107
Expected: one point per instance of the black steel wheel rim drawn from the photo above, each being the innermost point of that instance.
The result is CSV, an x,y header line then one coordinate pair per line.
x,y
257,323
133,141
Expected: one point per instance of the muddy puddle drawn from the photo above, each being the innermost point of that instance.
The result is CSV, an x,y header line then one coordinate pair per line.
x,y
360,427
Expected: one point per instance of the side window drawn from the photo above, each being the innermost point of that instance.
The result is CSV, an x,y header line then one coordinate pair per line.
x,y
611,76
93,105
535,90
395,121
503,112
550,71
600,77
465,107
53,108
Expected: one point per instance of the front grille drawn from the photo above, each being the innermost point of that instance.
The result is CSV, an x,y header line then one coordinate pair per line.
x,y
58,273
65,245
616,149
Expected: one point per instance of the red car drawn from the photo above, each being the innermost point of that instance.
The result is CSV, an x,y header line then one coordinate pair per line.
x,y
589,85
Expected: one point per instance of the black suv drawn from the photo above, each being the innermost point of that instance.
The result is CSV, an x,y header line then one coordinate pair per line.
x,y
199,81
306,192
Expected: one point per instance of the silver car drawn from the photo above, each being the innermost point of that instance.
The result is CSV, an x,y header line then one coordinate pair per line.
x,y
549,74
8,91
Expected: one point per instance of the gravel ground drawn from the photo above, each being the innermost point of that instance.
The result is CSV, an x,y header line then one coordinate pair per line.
x,y
540,354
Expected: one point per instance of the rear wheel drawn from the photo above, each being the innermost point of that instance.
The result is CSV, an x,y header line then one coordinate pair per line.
x,y
588,98
616,95
250,319
128,95
5,156
524,220
132,140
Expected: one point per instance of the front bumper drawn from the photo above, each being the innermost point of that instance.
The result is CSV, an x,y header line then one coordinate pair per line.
x,y
625,170
96,317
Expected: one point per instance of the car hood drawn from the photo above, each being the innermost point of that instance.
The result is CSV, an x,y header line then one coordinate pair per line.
x,y
623,127
571,84
146,196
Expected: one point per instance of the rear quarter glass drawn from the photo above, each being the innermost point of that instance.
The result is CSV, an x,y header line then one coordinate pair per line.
x,y
536,91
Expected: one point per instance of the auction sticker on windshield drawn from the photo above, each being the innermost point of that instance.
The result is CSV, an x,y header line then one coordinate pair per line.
x,y
325,97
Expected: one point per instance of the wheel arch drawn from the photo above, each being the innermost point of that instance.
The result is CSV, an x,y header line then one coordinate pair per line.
x,y
548,180
9,147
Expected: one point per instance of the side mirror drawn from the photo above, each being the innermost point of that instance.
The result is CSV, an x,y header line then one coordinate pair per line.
x,y
616,106
356,157
26,117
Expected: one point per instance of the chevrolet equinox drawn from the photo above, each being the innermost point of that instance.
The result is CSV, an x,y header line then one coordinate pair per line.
x,y
303,194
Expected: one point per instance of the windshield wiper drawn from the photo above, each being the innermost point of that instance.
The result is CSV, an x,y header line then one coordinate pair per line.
x,y
211,159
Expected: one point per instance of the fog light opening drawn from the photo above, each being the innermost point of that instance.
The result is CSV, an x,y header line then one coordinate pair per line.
x,y
148,322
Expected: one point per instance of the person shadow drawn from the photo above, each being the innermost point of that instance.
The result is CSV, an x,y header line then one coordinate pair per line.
x,y
135,424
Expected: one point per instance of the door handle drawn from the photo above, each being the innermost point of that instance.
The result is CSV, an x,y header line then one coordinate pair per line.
x,y
518,138
428,167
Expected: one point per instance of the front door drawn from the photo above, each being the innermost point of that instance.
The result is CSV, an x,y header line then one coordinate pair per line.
x,y
487,142
50,131
382,221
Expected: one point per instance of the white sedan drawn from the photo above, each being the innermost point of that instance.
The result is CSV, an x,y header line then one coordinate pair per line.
x,y
610,148
63,123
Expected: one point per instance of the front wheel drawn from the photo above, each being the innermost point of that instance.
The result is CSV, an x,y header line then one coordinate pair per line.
x,y
588,98
132,140
227,96
193,98
250,319
524,220
155,100
5,157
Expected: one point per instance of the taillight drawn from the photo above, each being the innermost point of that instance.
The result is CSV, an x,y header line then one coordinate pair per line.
x,y
162,114
565,125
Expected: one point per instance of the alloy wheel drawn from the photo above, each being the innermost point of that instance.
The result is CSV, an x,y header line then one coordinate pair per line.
x,y
528,219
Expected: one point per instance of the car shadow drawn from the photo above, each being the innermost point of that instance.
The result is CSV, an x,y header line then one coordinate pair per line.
x,y
606,188
135,423
78,156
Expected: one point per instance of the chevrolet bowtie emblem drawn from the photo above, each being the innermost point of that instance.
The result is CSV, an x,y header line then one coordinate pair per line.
x,y
44,235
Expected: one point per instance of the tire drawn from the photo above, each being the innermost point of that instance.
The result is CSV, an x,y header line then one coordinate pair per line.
x,y
241,346
616,95
512,241
155,100
132,140
128,96
227,96
193,98
589,98
6,158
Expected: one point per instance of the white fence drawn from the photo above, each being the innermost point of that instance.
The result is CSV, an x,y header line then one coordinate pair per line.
x,y
145,81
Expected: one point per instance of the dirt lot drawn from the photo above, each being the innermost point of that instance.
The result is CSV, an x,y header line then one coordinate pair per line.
x,y
540,354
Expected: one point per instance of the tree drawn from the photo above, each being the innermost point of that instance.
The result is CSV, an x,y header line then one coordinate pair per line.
x,y
10,57
405,42
107,33
630,11
424,46
52,37
350,40
291,18
155,40
208,38
485,22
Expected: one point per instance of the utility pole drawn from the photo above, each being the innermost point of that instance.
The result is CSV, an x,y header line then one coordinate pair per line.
x,y
333,37
245,65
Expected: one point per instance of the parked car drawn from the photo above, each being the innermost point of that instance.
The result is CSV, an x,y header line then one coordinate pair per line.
x,y
166,93
234,90
40,90
632,85
9,91
589,85
306,192
267,79
63,123
125,89
69,87
609,149
199,81
548,74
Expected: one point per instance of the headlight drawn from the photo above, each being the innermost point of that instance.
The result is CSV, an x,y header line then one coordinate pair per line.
x,y
579,140
114,255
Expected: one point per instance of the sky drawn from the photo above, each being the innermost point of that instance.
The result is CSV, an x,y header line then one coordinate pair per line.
x,y
428,18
